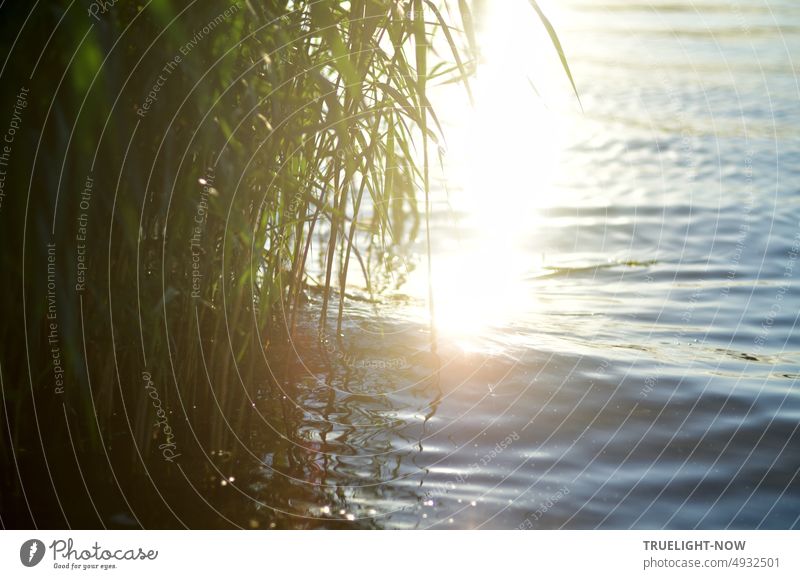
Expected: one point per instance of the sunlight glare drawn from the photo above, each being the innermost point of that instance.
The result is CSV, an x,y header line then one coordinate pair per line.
x,y
504,165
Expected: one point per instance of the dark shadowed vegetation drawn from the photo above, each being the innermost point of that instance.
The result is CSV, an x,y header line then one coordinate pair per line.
x,y
184,176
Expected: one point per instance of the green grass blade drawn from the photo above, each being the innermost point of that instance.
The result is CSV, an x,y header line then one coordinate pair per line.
x,y
557,44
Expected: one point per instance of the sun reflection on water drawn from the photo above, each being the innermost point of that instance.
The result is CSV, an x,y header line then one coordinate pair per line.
x,y
502,157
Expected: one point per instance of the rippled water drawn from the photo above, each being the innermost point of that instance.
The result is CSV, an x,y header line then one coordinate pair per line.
x,y
619,347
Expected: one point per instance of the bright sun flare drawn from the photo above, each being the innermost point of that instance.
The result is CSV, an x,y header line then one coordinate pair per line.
x,y
502,153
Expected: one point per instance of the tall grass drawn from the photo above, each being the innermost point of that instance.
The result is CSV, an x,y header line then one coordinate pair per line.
x,y
284,125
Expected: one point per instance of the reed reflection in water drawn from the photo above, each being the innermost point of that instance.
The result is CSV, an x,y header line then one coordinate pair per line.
x,y
614,294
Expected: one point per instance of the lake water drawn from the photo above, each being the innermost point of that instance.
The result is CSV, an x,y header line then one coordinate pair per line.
x,y
615,291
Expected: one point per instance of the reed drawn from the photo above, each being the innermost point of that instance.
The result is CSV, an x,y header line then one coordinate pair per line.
x,y
184,174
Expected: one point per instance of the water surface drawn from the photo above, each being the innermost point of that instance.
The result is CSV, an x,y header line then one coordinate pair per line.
x,y
615,296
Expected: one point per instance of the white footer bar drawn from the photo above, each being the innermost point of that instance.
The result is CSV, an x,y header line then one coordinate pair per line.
x,y
375,554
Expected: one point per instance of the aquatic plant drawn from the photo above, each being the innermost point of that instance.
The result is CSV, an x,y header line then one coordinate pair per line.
x,y
182,176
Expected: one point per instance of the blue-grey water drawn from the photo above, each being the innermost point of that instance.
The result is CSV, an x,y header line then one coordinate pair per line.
x,y
620,348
